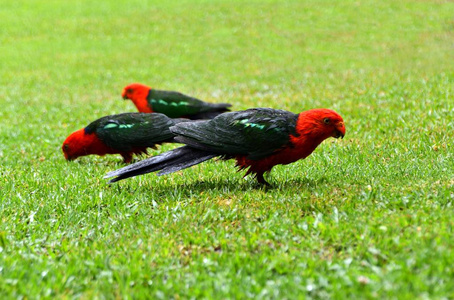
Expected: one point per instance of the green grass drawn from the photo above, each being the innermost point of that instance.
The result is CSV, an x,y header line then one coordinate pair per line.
x,y
369,216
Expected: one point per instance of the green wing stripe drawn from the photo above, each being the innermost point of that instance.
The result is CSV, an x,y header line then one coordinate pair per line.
x,y
175,105
111,125
132,130
247,124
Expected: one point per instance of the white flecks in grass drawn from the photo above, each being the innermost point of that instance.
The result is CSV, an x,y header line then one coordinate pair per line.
x,y
31,217
363,280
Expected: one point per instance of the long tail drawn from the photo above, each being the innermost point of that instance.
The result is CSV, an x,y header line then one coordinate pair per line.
x,y
219,106
168,162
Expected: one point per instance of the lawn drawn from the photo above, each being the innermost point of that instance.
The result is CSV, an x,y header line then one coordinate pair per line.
x,y
369,216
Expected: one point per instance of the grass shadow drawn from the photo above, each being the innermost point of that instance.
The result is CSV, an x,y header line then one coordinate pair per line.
x,y
302,182
213,187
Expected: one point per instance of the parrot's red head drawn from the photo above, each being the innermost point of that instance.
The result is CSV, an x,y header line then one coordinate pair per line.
x,y
79,143
138,93
321,123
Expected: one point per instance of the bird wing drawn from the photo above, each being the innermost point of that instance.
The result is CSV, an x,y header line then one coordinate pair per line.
x,y
175,104
132,130
255,133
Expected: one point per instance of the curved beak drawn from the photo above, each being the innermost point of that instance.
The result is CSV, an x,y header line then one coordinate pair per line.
x,y
339,132
123,95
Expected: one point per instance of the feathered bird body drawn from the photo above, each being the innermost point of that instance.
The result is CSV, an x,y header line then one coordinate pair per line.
x,y
125,134
172,104
257,138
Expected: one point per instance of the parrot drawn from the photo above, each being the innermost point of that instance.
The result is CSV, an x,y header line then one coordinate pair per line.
x,y
125,134
172,104
258,139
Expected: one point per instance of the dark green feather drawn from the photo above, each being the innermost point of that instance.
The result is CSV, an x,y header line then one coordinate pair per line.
x,y
175,104
127,131
256,133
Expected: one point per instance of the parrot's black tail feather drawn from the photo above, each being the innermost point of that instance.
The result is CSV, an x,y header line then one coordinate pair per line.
x,y
220,106
168,162
213,111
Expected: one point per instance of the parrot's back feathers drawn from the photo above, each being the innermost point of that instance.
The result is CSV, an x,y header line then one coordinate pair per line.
x,y
175,104
133,130
255,133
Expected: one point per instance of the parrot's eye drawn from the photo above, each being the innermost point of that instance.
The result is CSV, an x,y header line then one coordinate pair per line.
x,y
129,91
326,120
66,147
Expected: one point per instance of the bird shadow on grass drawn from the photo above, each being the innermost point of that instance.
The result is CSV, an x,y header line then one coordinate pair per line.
x,y
248,183
303,182
217,187
186,189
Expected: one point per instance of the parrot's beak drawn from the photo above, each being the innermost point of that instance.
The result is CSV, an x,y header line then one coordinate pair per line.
x,y
339,132
123,94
